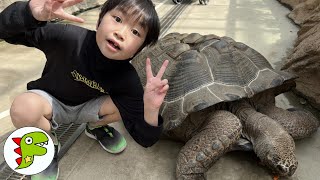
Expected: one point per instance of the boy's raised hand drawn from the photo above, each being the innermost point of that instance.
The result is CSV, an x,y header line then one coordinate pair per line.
x,y
156,89
44,10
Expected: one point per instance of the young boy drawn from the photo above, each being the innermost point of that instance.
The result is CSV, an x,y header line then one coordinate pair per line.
x,y
88,77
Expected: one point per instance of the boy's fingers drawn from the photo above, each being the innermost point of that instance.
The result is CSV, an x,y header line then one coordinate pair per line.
x,y
164,89
149,73
161,86
162,69
164,82
67,3
69,17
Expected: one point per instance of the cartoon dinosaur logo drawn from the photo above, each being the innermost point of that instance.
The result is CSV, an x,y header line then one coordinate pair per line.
x,y
28,150
30,145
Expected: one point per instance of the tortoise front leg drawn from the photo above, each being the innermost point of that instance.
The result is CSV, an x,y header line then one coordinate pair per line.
x,y
297,122
271,142
220,130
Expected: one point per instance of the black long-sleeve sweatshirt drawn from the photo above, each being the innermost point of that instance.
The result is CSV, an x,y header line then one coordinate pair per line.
x,y
76,71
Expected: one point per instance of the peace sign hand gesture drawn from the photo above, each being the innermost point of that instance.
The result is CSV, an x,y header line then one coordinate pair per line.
x,y
154,92
44,10
156,89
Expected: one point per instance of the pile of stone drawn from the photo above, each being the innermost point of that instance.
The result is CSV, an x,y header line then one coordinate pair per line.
x,y
305,58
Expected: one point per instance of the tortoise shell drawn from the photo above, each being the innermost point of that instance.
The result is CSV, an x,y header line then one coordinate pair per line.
x,y
205,70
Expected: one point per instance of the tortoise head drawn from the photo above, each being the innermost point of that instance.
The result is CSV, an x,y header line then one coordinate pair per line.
x,y
283,163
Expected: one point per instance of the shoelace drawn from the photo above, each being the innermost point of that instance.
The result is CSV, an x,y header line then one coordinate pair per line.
x,y
109,130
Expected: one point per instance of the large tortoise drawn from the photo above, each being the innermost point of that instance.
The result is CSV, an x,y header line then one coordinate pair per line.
x,y
219,90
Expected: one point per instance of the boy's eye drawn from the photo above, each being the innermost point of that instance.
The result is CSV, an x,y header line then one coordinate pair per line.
x,y
117,18
135,32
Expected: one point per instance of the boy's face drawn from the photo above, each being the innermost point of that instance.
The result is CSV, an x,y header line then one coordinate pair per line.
x,y
119,36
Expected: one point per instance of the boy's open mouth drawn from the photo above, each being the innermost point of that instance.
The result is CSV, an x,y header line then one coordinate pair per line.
x,y
113,44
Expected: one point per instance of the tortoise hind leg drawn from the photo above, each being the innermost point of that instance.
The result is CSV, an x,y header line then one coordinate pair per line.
x,y
211,141
298,123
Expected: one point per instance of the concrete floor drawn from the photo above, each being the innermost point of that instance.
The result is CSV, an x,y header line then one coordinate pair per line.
x,y
261,24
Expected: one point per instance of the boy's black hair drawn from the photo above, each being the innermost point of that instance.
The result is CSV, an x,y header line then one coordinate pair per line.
x,y
139,9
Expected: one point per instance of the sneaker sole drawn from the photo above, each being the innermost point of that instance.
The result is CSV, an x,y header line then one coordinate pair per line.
x,y
95,138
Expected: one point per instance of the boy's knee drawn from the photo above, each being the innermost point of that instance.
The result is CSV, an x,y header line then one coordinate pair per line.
x,y
26,110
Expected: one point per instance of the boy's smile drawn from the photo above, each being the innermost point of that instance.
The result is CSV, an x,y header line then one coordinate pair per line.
x,y
119,36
